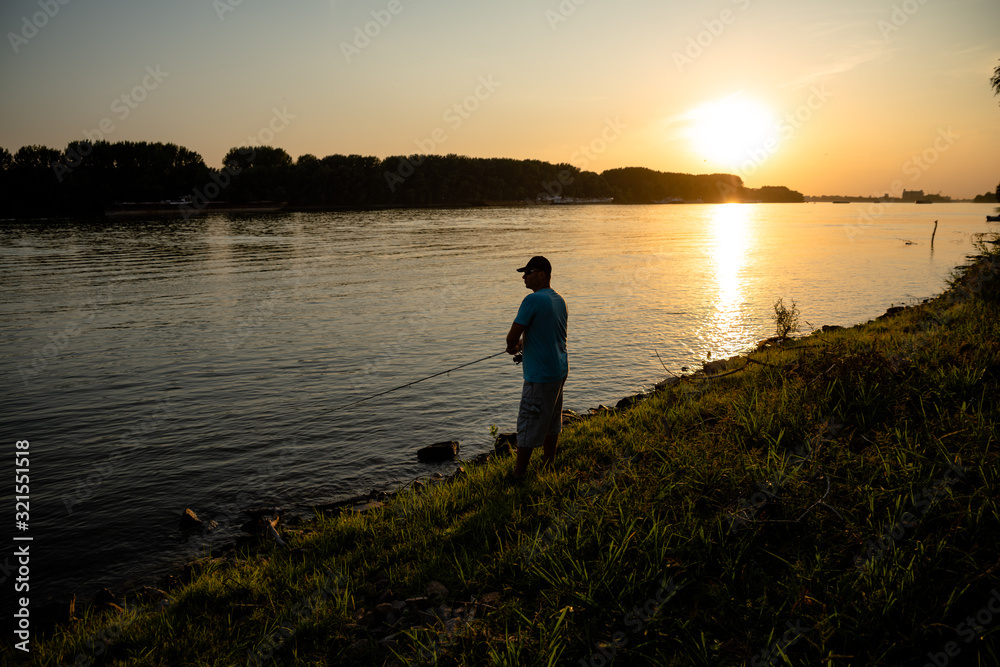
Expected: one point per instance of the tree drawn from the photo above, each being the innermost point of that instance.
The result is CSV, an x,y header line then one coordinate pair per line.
x,y
995,81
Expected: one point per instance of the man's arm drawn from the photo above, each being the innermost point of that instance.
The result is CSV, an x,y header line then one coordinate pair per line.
x,y
514,338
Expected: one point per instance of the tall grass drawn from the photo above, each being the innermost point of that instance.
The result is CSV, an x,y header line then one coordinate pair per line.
x,y
834,504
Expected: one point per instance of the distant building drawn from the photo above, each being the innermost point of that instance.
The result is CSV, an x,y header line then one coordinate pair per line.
x,y
912,195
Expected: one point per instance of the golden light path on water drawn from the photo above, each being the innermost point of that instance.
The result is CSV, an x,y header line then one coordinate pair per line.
x,y
732,231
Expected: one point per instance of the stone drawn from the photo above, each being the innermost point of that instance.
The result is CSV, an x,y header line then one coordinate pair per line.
x,y
832,327
427,618
384,608
891,311
366,507
480,459
669,382
416,604
438,452
629,401
570,416
505,444
713,367
360,646
436,589
190,522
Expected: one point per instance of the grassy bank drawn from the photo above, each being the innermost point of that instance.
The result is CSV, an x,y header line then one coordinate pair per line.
x,y
833,500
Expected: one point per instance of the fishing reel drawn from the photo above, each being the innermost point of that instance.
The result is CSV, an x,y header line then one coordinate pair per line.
x,y
518,358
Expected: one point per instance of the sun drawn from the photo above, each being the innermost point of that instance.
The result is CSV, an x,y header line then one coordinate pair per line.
x,y
729,131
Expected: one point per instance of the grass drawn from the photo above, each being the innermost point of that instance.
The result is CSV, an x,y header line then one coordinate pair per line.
x,y
835,503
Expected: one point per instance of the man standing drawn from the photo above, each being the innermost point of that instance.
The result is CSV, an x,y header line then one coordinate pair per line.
x,y
541,320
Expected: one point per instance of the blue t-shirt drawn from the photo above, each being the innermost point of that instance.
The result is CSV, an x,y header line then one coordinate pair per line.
x,y
543,314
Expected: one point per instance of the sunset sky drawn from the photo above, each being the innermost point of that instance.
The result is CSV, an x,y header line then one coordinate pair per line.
x,y
841,97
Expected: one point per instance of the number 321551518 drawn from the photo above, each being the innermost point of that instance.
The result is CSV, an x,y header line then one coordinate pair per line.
x,y
21,480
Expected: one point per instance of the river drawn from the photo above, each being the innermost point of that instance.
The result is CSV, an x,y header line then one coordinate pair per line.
x,y
164,364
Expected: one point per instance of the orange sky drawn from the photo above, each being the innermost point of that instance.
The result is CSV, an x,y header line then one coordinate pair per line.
x,y
855,97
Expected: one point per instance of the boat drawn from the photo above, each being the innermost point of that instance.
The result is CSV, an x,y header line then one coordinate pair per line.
x,y
993,218
582,200
187,208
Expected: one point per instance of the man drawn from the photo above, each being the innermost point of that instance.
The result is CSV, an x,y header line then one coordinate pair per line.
x,y
541,320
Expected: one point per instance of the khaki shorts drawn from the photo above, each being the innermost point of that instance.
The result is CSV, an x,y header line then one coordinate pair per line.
x,y
540,413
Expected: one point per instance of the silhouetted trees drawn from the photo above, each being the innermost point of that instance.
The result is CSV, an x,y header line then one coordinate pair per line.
x,y
995,82
639,185
87,177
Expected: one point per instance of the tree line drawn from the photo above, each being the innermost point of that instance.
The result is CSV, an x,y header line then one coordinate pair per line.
x,y
87,177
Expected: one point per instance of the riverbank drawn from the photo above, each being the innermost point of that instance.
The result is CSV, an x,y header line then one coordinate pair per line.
x,y
834,499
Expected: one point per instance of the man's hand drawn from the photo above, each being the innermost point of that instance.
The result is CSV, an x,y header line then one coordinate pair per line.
x,y
514,342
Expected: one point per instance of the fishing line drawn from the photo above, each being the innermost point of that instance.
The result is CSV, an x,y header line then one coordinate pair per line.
x,y
408,384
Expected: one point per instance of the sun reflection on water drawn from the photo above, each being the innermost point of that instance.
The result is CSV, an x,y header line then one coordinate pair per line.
x,y
732,238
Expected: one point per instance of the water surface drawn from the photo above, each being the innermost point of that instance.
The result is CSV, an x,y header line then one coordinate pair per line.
x,y
161,365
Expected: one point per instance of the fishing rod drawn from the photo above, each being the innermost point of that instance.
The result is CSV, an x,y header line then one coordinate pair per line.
x,y
517,359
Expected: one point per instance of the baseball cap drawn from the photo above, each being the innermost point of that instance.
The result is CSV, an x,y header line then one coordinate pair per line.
x,y
537,262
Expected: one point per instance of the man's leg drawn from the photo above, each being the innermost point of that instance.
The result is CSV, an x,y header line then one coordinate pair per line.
x,y
549,447
521,464
551,442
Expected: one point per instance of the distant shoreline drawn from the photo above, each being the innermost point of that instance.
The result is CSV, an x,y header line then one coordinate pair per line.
x,y
221,209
